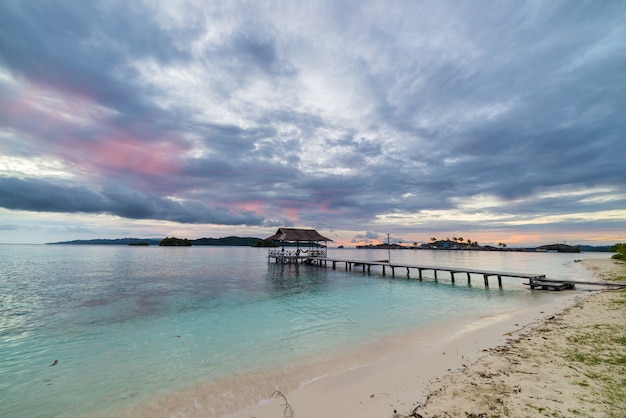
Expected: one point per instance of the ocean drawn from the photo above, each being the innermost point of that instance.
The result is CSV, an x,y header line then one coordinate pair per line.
x,y
92,331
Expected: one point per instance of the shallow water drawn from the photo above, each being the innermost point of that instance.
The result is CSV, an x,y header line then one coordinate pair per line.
x,y
131,325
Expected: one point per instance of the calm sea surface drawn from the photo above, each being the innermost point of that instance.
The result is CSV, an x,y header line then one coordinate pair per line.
x,y
128,325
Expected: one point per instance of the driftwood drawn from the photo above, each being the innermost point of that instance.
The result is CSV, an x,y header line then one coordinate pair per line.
x,y
287,409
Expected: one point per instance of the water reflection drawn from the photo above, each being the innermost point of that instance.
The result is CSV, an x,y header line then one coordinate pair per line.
x,y
293,279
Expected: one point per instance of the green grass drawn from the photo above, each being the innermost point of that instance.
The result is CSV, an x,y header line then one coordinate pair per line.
x,y
598,349
622,299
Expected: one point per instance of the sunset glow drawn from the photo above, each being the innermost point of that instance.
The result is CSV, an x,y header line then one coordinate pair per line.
x,y
421,120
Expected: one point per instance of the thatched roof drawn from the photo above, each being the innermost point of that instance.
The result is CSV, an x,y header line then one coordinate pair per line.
x,y
297,235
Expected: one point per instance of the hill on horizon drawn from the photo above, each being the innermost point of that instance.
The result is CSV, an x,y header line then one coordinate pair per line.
x,y
227,241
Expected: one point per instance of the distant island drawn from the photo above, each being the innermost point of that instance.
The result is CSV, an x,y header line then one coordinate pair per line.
x,y
175,242
170,241
233,241
118,241
469,245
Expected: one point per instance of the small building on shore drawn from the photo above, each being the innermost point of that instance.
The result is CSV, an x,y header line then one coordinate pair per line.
x,y
297,244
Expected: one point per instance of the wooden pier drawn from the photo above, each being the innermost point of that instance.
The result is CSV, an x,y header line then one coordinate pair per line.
x,y
535,281
366,266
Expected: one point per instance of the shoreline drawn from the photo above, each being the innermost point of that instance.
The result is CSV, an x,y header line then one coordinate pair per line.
x,y
571,364
418,377
399,378
331,379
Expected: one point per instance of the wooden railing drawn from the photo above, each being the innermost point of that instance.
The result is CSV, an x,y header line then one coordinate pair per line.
x,y
296,254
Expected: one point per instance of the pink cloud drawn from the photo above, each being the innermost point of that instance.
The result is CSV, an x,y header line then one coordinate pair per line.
x,y
127,153
257,206
70,126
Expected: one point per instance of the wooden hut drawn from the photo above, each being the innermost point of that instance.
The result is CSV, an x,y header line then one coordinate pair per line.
x,y
302,244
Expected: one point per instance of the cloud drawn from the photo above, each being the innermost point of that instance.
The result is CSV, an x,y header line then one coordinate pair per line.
x,y
79,230
337,113
43,196
8,227
368,236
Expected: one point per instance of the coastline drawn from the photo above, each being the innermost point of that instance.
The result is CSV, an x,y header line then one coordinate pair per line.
x,y
572,364
476,369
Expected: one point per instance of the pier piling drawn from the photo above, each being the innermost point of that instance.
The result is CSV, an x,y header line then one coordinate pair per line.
x,y
538,281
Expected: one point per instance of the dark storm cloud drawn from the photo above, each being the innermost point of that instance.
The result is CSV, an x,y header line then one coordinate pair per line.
x,y
42,196
330,113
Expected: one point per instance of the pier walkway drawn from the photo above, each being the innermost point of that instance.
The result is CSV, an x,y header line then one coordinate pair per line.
x,y
350,264
535,281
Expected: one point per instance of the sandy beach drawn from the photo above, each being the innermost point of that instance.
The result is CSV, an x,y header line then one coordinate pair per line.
x,y
566,357
571,364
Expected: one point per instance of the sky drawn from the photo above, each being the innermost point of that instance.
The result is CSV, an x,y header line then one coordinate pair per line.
x,y
493,121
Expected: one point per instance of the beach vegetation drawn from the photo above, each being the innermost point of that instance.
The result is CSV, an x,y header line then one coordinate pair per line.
x,y
620,249
598,349
620,301
548,412
583,357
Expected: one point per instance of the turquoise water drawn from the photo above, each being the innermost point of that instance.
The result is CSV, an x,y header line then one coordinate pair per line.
x,y
127,325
